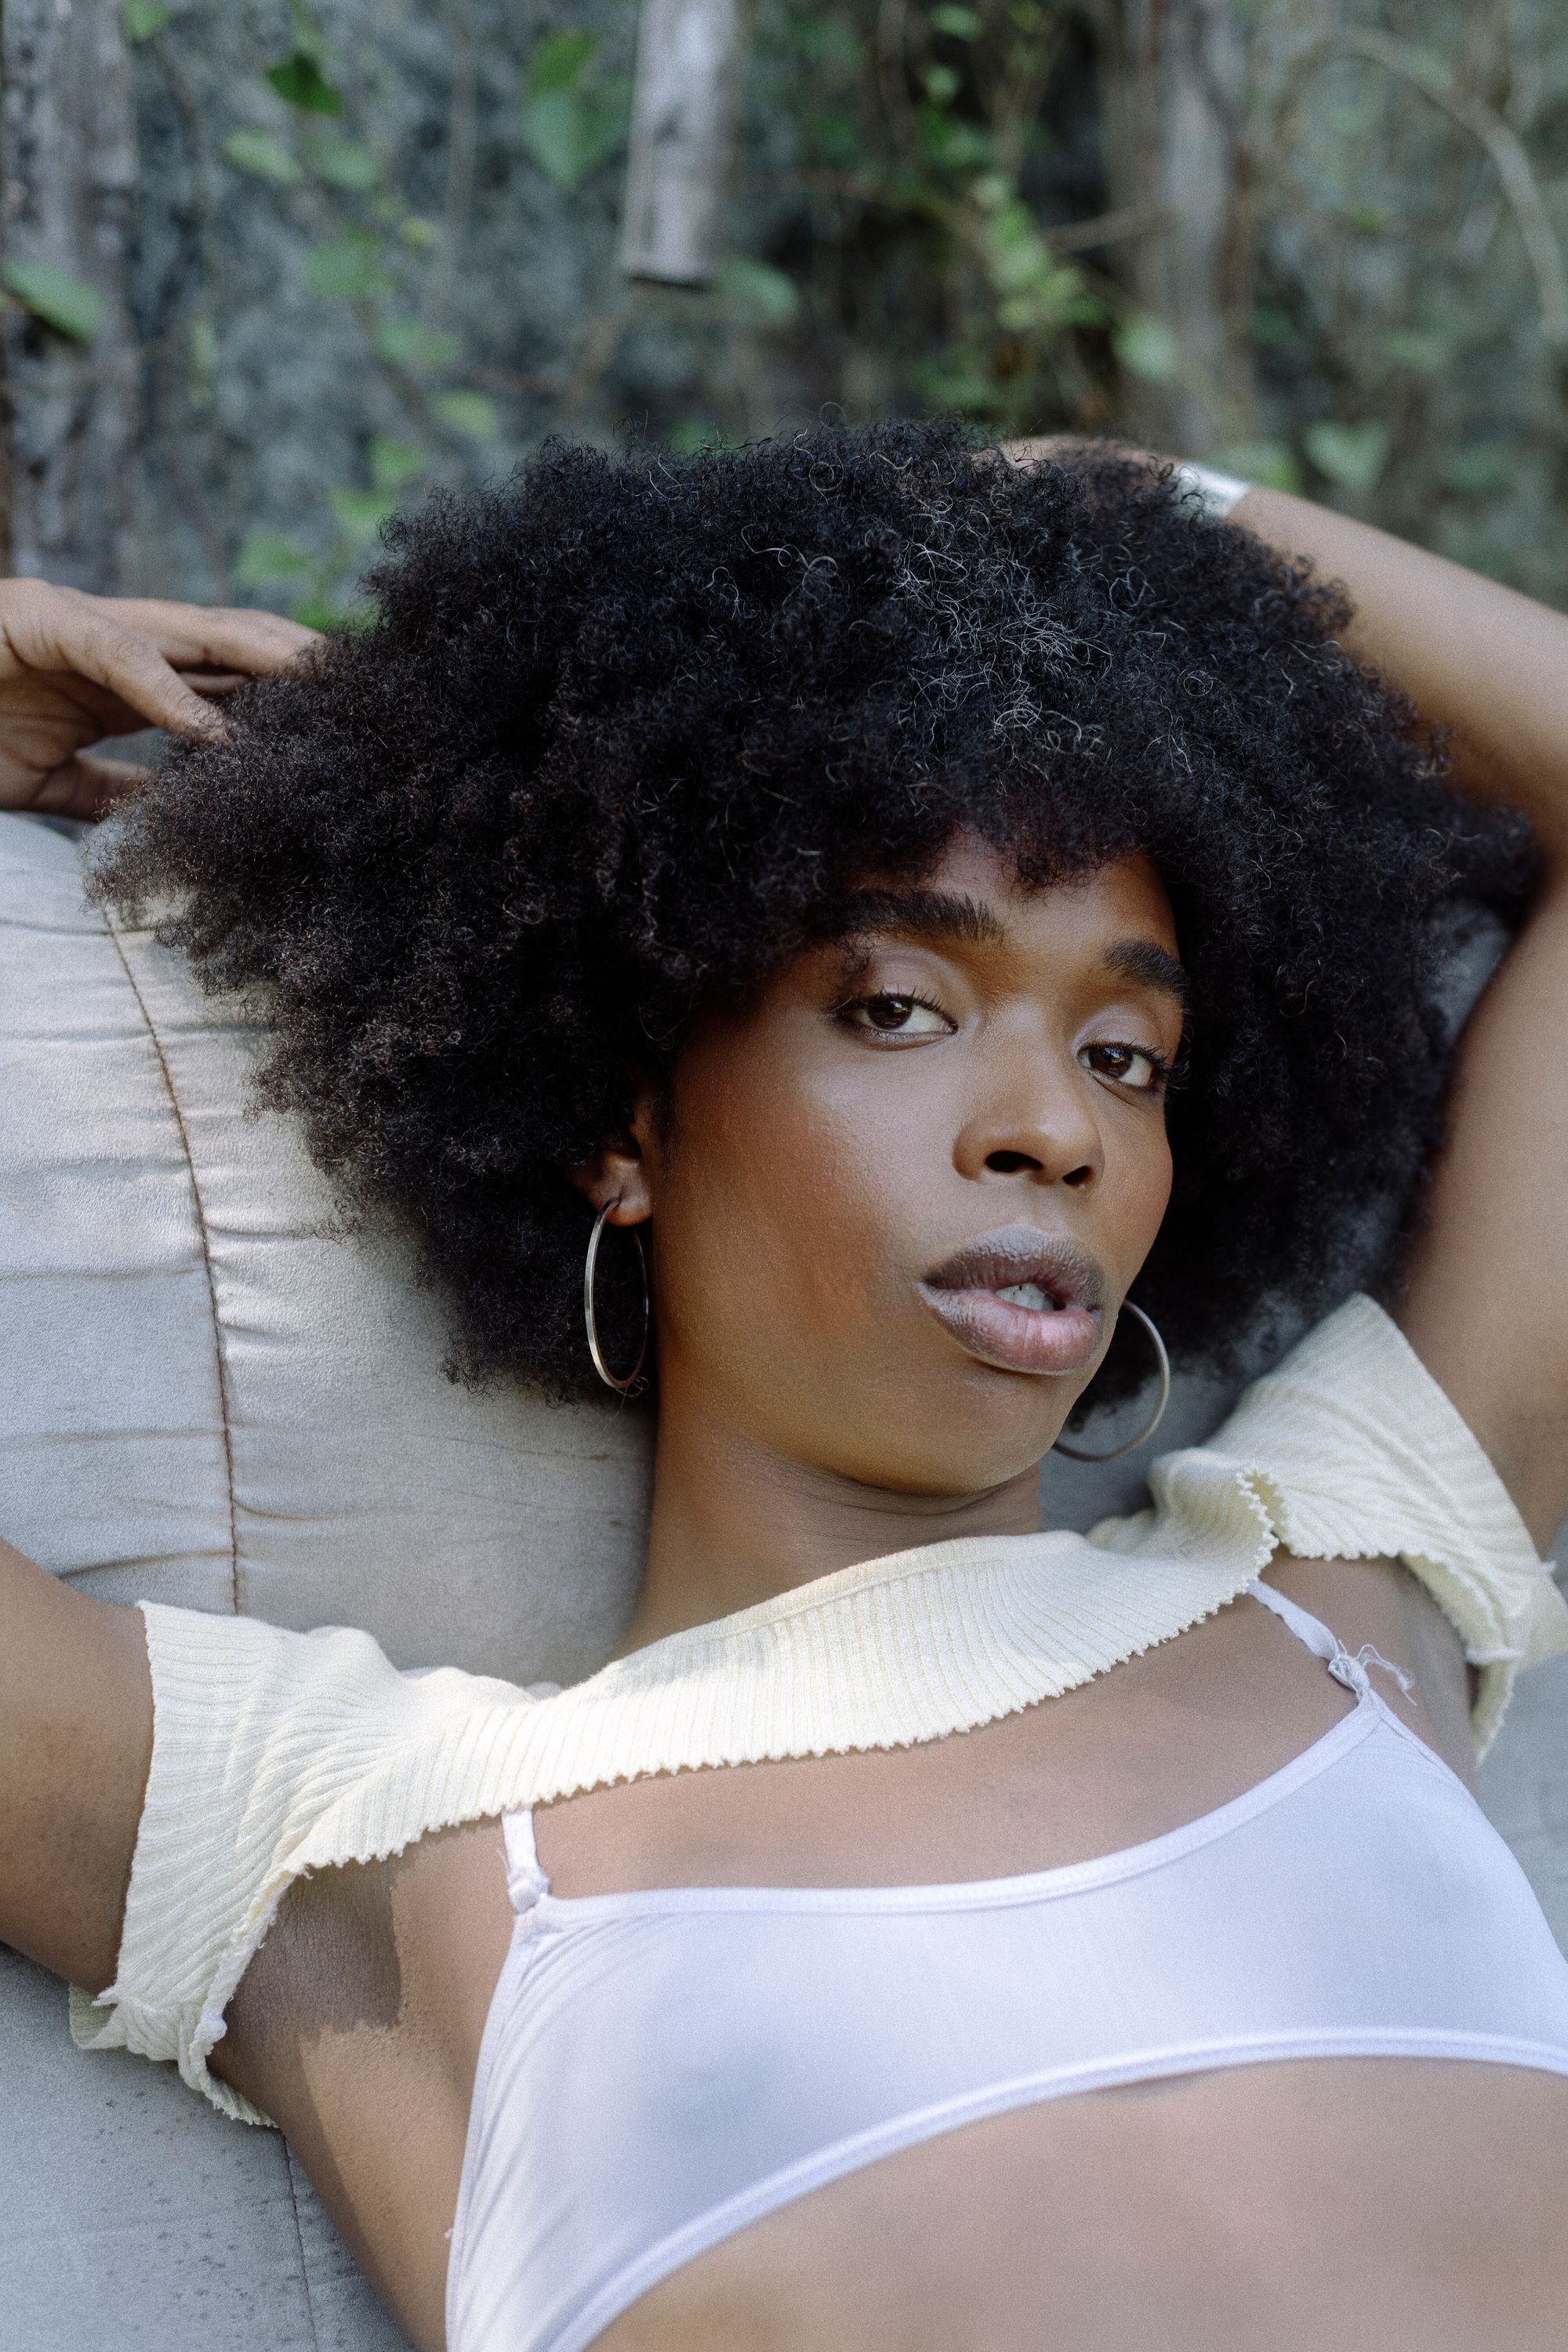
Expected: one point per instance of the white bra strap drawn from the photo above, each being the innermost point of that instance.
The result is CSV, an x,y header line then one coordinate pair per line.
x,y
525,1881
1308,1629
1345,1668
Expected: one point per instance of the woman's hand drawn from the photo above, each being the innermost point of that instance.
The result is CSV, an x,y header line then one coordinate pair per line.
x,y
75,668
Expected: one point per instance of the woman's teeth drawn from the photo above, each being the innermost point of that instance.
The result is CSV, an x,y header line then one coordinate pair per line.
x,y
1024,1294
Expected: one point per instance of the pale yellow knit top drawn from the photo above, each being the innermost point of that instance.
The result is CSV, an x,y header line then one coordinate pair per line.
x,y
277,1753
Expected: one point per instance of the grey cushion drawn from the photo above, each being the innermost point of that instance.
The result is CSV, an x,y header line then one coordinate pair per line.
x,y
208,1394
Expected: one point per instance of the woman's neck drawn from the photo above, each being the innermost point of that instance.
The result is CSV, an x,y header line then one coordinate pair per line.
x,y
735,1523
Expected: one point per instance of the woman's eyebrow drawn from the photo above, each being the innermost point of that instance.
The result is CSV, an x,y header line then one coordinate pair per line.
x,y
1150,965
941,916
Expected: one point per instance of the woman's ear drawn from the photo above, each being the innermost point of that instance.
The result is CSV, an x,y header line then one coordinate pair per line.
x,y
618,1171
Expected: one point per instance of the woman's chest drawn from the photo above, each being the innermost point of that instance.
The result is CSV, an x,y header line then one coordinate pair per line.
x,y
1334,2206
1166,1738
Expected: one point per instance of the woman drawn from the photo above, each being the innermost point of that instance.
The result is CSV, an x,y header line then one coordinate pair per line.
x,y
895,899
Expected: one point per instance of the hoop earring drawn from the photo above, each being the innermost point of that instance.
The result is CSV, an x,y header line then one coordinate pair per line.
x,y
1077,1453
632,1380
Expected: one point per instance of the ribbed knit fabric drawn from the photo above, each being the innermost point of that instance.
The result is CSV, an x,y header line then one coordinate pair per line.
x,y
277,1753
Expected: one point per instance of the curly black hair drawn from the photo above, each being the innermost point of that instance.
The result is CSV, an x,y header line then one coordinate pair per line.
x,y
626,730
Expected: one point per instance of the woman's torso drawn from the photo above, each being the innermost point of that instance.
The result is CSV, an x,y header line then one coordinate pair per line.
x,y
1344,2199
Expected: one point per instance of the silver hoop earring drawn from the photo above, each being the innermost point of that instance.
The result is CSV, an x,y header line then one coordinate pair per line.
x,y
1077,1453
632,1381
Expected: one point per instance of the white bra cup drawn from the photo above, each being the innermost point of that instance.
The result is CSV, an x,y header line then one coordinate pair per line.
x,y
661,2069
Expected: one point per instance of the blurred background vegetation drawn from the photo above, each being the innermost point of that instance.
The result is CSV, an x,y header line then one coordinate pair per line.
x,y
273,268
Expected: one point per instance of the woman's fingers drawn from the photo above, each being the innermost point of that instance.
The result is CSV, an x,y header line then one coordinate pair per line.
x,y
225,637
135,647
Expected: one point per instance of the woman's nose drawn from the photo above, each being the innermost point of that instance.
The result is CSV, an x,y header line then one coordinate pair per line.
x,y
1043,1128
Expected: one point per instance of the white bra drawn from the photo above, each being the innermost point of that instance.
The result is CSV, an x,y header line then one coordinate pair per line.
x,y
661,2069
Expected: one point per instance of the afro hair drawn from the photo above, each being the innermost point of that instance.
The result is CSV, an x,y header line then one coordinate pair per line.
x,y
626,730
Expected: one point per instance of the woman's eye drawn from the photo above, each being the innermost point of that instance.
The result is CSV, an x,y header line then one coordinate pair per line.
x,y
897,1016
1134,1067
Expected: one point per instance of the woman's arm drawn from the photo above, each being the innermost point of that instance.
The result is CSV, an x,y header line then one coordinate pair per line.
x,y
76,1740
76,1702
1486,1306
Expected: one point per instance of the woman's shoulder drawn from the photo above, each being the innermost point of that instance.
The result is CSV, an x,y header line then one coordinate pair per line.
x,y
1349,1449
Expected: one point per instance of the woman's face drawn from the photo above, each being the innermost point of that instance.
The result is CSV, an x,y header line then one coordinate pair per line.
x,y
898,1198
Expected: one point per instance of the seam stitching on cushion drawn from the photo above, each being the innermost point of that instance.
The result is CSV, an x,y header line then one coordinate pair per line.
x,y
202,1235
299,2241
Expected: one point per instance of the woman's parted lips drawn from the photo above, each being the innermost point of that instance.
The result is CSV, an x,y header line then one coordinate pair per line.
x,y
1062,1334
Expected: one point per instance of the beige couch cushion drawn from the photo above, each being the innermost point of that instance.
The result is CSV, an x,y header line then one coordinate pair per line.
x,y
210,1396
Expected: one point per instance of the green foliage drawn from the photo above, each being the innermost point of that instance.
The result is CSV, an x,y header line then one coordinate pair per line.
x,y
470,414
1352,456
1268,462
345,163
258,151
395,464
759,293
361,514
346,270
409,343
900,236
300,81
1147,349
139,19
270,559
571,123
68,304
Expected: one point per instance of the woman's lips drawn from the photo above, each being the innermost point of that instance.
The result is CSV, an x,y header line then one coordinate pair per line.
x,y
1020,1298
1017,1339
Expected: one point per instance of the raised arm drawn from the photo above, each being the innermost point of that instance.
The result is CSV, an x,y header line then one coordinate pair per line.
x,y
76,1704
1486,1306
76,1737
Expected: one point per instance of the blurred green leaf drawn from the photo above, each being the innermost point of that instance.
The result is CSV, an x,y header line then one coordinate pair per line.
x,y
360,513
760,293
68,304
559,61
569,133
419,235
407,343
958,24
1424,353
258,152
268,557
345,163
951,146
1268,462
345,269
395,464
828,41
471,414
941,84
1147,349
1481,468
323,613
139,19
202,351
1352,456
300,81
692,434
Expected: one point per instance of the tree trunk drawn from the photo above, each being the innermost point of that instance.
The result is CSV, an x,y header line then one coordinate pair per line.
x,y
71,408
1175,88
